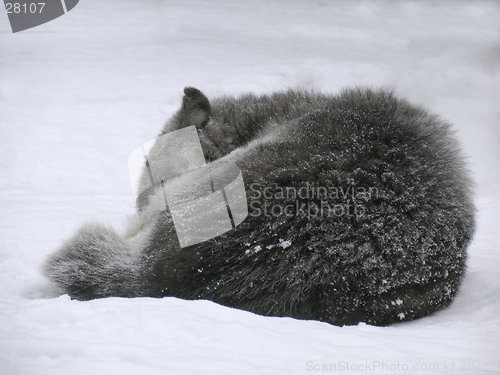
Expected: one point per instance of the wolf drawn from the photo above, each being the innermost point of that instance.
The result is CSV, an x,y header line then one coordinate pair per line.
x,y
360,209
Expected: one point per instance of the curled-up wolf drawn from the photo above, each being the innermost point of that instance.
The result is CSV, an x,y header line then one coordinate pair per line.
x,y
359,210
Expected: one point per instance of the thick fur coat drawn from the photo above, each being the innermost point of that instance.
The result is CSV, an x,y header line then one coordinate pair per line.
x,y
359,205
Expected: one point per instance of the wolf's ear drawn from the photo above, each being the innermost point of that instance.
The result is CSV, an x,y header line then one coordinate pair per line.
x,y
195,108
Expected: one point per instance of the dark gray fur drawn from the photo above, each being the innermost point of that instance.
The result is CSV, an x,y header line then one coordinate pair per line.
x,y
403,259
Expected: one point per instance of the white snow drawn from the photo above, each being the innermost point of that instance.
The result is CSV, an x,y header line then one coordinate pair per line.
x,y
285,244
80,93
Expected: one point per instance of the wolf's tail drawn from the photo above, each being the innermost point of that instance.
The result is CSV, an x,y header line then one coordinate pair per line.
x,y
96,262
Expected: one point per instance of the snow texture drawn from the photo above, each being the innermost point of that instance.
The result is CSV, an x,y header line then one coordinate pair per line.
x,y
80,93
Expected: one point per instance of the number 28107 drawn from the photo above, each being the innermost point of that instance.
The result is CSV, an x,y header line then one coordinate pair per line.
x,y
24,8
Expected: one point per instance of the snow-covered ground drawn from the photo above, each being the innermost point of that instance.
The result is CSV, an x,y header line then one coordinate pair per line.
x,y
80,93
